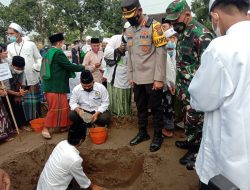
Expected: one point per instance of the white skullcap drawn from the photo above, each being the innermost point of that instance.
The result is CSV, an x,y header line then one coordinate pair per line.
x,y
126,25
211,2
170,32
88,38
105,40
16,27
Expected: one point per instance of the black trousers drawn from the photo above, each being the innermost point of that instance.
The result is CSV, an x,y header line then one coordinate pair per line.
x,y
146,98
102,120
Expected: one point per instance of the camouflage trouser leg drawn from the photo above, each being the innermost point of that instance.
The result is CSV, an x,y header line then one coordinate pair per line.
x,y
193,123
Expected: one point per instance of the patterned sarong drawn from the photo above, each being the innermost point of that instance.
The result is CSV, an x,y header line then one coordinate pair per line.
x,y
32,103
6,127
58,110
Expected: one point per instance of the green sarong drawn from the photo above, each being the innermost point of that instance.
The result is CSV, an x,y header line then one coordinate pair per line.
x,y
119,100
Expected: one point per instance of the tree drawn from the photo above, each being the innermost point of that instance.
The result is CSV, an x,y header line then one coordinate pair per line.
x,y
32,15
78,14
200,8
2,22
111,19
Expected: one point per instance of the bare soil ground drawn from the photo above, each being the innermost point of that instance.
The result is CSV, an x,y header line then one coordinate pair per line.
x,y
114,165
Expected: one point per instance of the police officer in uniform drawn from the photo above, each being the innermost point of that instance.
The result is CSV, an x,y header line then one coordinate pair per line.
x,y
147,60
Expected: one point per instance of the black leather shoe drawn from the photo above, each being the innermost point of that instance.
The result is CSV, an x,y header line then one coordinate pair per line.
x,y
156,144
140,137
188,157
182,144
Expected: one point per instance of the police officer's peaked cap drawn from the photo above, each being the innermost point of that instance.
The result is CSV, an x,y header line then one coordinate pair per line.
x,y
175,9
129,8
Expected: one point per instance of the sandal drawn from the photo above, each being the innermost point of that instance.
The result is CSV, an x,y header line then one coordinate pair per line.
x,y
26,128
46,135
167,133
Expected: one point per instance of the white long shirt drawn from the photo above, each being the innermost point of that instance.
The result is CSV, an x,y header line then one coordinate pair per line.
x,y
30,53
171,73
121,76
221,89
96,100
63,165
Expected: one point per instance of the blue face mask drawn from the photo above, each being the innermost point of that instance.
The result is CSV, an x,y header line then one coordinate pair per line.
x,y
172,46
11,39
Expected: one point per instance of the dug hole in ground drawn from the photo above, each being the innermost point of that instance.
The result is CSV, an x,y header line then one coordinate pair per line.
x,y
113,165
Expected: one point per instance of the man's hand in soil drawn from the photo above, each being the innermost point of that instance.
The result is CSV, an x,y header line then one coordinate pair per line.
x,y
4,180
96,187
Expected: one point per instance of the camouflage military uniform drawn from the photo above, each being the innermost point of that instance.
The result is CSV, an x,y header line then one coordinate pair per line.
x,y
191,44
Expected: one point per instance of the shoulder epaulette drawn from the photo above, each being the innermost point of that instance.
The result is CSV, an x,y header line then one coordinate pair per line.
x,y
149,22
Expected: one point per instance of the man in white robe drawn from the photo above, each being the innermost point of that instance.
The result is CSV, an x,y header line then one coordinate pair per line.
x,y
29,51
221,89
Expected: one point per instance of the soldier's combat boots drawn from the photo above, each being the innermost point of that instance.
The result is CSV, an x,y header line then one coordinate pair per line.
x,y
182,144
140,137
191,154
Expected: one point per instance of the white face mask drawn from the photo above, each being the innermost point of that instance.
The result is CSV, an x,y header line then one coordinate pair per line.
x,y
18,71
217,29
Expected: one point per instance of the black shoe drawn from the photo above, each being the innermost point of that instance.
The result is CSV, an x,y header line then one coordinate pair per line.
x,y
156,144
188,157
190,165
140,137
182,144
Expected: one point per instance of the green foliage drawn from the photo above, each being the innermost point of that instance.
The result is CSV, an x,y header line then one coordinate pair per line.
x,y
111,19
76,18
200,8
2,22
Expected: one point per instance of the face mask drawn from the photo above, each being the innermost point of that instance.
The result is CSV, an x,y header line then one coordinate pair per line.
x,y
11,39
134,21
171,45
88,90
18,71
179,27
217,29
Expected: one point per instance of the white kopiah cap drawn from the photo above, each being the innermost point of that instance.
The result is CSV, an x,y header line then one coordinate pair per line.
x,y
16,27
170,32
88,38
211,3
105,40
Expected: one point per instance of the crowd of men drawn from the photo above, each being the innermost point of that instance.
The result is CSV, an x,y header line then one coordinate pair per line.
x,y
177,59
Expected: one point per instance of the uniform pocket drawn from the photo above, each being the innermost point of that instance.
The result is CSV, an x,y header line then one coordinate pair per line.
x,y
145,46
